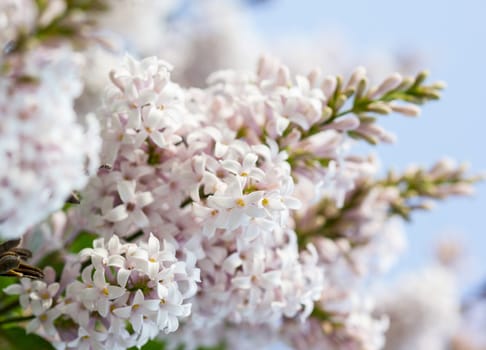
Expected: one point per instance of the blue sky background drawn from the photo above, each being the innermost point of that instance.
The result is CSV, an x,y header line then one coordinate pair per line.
x,y
451,35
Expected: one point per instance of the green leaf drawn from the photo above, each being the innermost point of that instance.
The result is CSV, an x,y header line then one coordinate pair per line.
x,y
152,345
160,345
217,347
83,240
15,338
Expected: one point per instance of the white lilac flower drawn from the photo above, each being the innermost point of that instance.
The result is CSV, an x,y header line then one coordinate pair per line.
x,y
88,339
150,297
137,310
131,208
45,321
43,147
34,295
260,281
97,293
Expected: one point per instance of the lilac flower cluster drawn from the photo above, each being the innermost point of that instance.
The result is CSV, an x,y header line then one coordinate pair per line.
x,y
212,172
237,213
127,294
189,180
45,151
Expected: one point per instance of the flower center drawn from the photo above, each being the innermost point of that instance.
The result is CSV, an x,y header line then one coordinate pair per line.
x,y
240,202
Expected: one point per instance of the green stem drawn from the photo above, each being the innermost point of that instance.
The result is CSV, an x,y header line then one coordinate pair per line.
x,y
10,306
16,319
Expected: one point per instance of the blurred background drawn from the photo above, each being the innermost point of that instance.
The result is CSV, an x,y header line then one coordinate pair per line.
x,y
445,37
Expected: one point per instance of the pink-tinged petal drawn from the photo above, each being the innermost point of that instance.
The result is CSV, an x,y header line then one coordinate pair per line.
x,y
191,289
255,212
162,318
123,312
90,294
49,327
231,165
236,218
292,203
138,298
53,288
137,321
126,190
86,275
175,310
122,277
116,260
37,307
250,160
33,326
172,324
26,283
254,197
100,242
114,245
24,301
281,124
161,291
257,174
153,245
13,289
102,306
222,202
186,310
154,119
216,254
144,198
99,279
139,139
274,203
118,213
151,304
115,292
140,218
271,279
220,149
98,262
153,269
158,138
241,282
179,268
231,263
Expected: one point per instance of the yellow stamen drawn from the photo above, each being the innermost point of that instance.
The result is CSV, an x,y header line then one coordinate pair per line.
x,y
240,202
